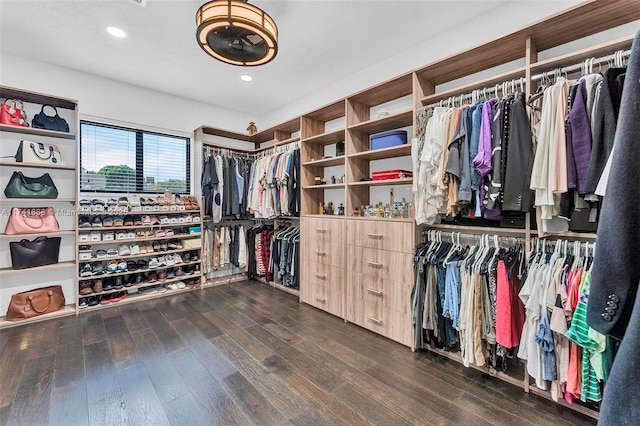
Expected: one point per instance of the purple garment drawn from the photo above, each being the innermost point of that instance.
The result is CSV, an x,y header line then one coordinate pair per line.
x,y
580,129
482,161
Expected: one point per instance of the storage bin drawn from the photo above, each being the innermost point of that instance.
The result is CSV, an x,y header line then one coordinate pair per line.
x,y
388,139
391,174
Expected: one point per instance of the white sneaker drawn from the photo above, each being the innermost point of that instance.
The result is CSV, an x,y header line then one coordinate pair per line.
x,y
169,260
177,259
153,263
180,285
171,286
161,261
123,250
134,249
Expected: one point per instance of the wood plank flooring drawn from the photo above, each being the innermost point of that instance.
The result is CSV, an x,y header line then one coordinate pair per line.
x,y
243,353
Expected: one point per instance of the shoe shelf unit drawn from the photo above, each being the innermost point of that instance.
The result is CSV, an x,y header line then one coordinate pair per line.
x,y
358,268
94,269
280,138
65,178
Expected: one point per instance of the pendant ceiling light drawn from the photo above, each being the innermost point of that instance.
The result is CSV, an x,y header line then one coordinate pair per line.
x,y
235,32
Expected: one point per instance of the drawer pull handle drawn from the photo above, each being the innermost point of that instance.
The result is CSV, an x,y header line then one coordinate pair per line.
x,y
321,230
376,320
320,299
322,277
374,291
374,235
321,253
372,263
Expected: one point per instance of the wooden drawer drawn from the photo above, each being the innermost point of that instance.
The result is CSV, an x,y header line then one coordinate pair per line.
x,y
323,229
385,293
323,252
323,287
386,322
388,265
375,234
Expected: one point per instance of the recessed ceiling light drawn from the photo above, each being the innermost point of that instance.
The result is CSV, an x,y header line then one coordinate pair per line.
x,y
116,32
246,77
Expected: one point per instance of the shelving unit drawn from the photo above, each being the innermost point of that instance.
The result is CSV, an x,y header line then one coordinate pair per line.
x,y
133,289
65,177
274,138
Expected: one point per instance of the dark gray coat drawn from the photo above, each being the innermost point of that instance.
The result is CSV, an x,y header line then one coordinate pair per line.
x,y
613,307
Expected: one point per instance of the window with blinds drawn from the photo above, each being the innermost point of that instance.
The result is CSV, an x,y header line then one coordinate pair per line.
x,y
119,159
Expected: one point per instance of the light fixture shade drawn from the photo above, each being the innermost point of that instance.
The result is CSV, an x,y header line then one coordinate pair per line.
x,y
236,32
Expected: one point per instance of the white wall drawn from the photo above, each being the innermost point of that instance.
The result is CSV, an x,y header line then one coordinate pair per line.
x,y
115,101
509,17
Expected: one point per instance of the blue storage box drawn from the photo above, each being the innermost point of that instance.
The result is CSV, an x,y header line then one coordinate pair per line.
x,y
388,139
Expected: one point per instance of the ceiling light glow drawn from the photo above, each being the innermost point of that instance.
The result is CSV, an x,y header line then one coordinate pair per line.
x,y
246,77
116,32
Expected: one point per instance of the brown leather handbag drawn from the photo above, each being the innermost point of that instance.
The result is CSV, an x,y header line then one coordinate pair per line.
x,y
32,303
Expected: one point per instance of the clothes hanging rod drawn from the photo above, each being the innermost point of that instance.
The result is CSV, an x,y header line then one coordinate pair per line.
x,y
506,87
585,66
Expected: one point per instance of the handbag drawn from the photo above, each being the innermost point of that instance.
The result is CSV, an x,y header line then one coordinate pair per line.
x,y
29,304
21,186
38,153
12,113
30,254
31,221
49,122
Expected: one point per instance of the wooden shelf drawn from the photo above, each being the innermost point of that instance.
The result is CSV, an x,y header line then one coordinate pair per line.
x,y
466,88
328,138
35,166
42,234
329,112
473,229
386,91
36,132
327,186
137,271
324,216
379,154
147,284
59,265
122,228
136,297
40,200
65,311
37,98
389,122
585,235
402,181
286,141
136,240
326,162
136,256
140,213
577,56
382,219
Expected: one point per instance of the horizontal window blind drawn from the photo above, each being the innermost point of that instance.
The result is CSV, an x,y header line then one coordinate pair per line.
x,y
117,159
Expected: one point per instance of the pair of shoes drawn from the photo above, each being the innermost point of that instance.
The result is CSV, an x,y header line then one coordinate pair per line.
x,y
190,202
85,288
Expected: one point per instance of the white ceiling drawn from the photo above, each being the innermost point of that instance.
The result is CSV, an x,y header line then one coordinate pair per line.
x,y
320,42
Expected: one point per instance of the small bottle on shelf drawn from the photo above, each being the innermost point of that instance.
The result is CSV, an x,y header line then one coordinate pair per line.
x,y
341,210
320,208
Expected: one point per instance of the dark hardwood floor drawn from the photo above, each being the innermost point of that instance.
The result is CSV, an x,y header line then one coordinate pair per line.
x,y
241,354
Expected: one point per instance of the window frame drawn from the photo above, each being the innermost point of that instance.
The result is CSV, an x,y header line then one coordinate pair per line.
x,y
139,160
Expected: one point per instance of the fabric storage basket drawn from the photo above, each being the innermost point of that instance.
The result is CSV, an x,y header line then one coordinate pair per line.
x,y
388,139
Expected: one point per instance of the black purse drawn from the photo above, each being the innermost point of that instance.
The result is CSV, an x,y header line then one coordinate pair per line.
x,y
44,121
30,254
21,186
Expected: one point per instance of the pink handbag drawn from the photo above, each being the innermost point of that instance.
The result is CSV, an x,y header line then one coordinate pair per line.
x,y
37,220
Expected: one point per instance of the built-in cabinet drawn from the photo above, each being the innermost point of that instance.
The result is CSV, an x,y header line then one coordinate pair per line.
x,y
65,179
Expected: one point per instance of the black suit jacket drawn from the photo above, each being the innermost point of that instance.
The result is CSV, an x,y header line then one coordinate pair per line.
x,y
613,307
